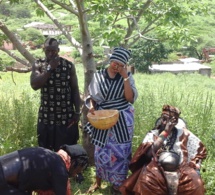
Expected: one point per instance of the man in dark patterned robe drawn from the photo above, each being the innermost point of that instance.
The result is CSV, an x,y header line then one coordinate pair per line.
x,y
60,100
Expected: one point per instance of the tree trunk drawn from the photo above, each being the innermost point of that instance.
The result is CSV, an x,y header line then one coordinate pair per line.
x,y
89,69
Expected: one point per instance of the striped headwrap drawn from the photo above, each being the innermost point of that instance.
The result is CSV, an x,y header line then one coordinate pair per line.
x,y
120,55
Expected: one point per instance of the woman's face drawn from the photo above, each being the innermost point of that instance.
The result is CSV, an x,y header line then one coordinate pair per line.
x,y
116,66
165,118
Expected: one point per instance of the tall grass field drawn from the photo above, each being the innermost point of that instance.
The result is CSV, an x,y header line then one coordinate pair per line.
x,y
193,94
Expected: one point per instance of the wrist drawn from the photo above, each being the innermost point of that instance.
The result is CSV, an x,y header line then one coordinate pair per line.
x,y
125,79
165,133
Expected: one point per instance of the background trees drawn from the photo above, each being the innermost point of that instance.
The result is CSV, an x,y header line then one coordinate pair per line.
x,y
99,23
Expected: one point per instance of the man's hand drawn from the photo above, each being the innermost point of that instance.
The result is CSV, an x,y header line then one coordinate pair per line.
x,y
75,119
54,62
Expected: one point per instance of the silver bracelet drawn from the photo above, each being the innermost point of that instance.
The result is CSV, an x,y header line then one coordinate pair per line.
x,y
125,79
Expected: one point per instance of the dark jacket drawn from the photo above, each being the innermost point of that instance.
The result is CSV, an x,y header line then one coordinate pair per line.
x,y
34,169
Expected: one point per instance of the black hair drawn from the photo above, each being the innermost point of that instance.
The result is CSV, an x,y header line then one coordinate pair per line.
x,y
81,161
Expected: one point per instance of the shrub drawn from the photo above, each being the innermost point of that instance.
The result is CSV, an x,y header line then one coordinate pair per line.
x,y
146,52
20,117
5,9
22,12
33,35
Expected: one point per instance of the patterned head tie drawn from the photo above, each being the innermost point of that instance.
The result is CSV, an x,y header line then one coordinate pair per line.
x,y
171,110
120,55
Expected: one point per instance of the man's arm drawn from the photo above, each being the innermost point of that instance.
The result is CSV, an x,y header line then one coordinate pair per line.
x,y
38,78
75,97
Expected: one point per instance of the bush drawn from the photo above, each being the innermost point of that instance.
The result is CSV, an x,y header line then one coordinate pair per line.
x,y
6,60
172,57
146,52
33,35
5,9
18,113
22,12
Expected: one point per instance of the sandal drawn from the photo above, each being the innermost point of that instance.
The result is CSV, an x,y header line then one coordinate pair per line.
x,y
93,188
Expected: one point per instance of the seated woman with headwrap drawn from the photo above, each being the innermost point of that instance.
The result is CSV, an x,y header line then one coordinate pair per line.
x,y
168,161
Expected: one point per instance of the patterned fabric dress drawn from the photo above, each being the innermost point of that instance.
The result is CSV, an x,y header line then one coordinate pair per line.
x,y
57,107
113,147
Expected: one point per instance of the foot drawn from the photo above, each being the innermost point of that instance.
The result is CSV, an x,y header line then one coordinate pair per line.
x,y
93,188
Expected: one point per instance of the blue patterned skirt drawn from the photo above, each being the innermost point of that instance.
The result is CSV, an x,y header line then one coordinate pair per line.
x,y
113,159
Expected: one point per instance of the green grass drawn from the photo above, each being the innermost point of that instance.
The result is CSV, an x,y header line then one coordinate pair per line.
x,y
193,93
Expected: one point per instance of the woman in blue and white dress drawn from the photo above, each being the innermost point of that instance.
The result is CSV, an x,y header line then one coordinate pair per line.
x,y
113,88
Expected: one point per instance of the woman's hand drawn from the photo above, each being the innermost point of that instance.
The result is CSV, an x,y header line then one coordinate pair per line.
x,y
170,124
123,71
91,110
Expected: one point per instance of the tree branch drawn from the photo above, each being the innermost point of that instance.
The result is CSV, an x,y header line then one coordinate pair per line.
x,y
72,40
66,7
19,70
16,42
133,24
11,54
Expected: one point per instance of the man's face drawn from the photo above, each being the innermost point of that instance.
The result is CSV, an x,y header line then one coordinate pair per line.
x,y
51,52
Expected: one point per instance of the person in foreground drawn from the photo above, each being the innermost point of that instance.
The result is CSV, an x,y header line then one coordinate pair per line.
x,y
168,161
113,88
41,170
59,110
